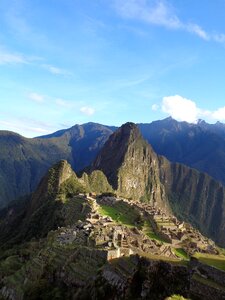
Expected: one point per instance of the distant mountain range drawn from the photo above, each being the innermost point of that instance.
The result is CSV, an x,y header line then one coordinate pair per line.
x,y
54,242
200,146
23,161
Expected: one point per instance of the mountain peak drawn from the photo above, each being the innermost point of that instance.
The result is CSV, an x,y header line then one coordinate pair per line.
x,y
127,160
50,184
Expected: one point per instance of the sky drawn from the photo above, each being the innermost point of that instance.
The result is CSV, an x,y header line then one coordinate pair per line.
x,y
67,62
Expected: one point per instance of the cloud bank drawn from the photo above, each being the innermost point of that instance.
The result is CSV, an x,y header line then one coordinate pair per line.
x,y
7,57
161,13
183,109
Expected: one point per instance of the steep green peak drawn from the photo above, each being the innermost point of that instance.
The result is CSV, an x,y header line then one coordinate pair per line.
x,y
62,171
50,184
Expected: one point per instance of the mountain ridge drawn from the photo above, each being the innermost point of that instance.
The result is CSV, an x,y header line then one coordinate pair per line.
x,y
136,171
25,160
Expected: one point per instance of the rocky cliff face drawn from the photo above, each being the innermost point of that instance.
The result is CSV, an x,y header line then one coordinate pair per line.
x,y
196,198
135,171
131,166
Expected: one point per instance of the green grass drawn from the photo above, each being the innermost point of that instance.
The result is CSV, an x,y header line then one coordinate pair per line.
x,y
163,258
10,265
148,230
176,297
121,213
208,282
181,253
217,261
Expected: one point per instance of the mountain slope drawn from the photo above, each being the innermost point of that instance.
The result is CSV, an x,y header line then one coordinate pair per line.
x,y
130,165
23,161
55,203
133,168
200,146
196,198
85,141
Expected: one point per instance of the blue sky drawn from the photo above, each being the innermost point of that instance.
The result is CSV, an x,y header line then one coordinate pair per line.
x,y
66,62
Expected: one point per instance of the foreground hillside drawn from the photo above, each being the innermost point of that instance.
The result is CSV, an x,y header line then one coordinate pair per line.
x,y
66,243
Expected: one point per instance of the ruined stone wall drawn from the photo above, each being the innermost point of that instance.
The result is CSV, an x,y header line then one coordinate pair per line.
x,y
114,253
159,233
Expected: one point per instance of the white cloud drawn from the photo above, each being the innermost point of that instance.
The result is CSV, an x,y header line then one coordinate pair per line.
x,y
219,114
89,111
55,70
220,38
183,109
36,97
162,14
196,29
180,108
11,58
150,12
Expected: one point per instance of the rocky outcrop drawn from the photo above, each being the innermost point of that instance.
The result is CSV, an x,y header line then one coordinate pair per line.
x,y
131,166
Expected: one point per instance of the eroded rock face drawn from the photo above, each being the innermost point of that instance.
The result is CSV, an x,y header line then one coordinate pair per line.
x,y
131,166
135,171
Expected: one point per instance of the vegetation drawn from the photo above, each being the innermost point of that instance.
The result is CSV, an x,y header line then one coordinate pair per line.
x,y
122,213
71,187
176,297
217,261
148,230
181,253
99,183
208,282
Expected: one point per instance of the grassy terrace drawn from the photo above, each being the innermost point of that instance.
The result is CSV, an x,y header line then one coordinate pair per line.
x,y
121,213
148,230
176,297
176,261
126,215
208,282
217,261
181,253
